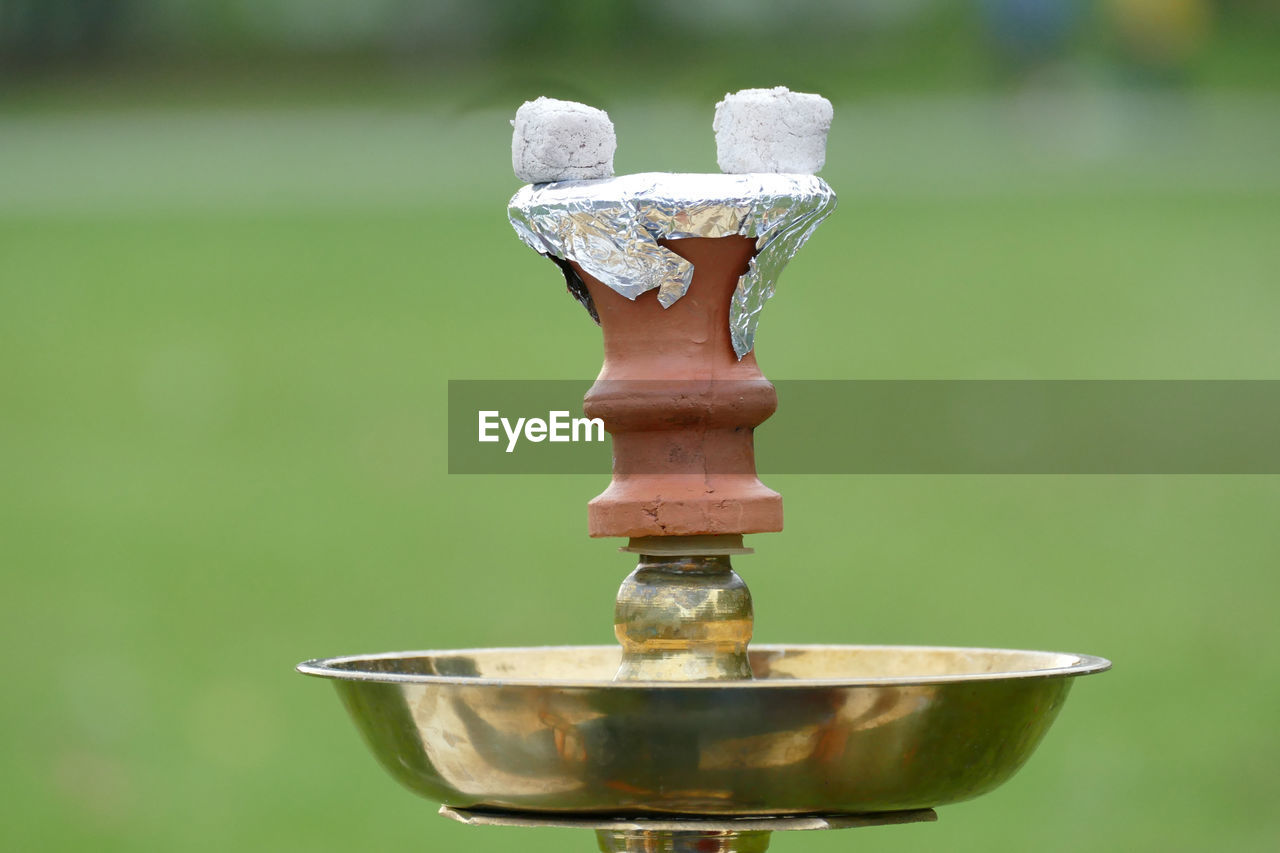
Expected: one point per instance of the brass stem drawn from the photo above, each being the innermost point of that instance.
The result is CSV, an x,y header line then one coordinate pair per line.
x,y
683,618
681,841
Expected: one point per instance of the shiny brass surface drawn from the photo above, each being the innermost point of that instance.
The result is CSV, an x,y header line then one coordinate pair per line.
x,y
786,823
683,618
695,835
820,730
681,841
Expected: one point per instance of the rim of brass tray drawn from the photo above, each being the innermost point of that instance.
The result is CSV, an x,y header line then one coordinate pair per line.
x,y
340,668
688,823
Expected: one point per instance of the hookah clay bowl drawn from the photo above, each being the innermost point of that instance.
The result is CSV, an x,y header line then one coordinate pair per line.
x,y
821,729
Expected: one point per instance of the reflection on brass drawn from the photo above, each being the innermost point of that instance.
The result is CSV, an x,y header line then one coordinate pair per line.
x,y
695,835
831,730
683,618
681,841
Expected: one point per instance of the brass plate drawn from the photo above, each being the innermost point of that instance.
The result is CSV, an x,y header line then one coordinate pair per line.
x,y
821,730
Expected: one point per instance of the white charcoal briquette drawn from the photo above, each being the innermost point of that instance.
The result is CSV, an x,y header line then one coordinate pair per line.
x,y
772,130
561,141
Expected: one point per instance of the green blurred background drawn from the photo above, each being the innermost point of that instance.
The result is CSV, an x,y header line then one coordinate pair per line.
x,y
244,245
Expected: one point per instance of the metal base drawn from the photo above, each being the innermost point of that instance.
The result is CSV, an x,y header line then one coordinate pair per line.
x,y
688,835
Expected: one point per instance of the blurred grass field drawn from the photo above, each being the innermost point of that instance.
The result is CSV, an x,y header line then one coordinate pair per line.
x,y
225,334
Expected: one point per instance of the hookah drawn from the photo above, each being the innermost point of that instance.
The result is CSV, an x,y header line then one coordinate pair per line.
x,y
685,736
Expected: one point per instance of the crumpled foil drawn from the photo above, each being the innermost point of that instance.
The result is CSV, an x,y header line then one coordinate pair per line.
x,y
610,227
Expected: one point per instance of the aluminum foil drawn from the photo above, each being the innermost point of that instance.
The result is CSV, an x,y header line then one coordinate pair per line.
x,y
610,227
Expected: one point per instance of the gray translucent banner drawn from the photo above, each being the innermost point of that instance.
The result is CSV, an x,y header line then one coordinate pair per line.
x,y
911,427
